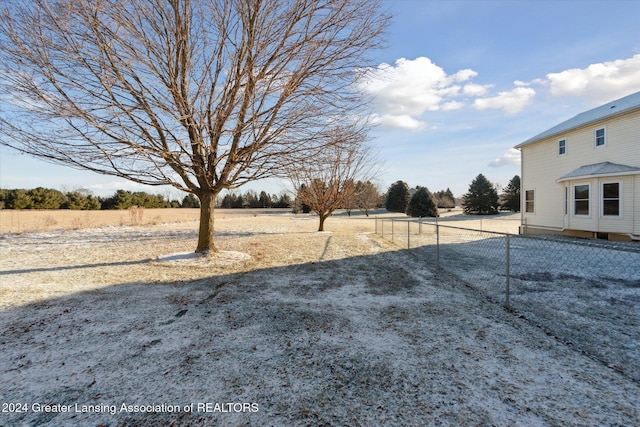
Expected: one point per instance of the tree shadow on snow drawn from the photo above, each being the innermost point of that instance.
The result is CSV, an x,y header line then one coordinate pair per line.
x,y
357,341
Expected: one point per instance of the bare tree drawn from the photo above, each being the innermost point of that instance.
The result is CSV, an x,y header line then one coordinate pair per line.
x,y
367,196
327,181
203,95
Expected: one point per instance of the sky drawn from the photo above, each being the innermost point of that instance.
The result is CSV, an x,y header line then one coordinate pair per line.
x,y
458,84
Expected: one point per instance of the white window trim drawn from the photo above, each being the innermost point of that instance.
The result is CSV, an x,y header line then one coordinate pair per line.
x,y
573,201
620,196
595,137
565,147
525,202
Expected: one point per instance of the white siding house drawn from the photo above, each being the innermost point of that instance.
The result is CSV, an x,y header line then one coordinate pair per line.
x,y
582,177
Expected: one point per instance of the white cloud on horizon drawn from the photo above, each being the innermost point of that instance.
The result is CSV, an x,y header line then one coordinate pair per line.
x,y
511,157
600,82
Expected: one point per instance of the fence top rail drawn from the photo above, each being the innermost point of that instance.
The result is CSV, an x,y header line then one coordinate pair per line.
x,y
434,223
565,240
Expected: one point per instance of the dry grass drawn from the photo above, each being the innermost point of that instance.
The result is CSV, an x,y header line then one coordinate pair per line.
x,y
127,254
20,221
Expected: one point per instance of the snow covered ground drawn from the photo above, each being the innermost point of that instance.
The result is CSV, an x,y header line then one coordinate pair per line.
x,y
584,292
113,326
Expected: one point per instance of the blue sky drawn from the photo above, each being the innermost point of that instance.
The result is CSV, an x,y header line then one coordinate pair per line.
x,y
458,85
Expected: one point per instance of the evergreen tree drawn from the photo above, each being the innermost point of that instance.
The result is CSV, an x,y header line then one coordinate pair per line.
x,y
450,201
76,201
228,201
190,201
284,201
422,204
18,199
264,200
93,203
239,202
251,199
398,197
482,198
510,197
122,200
45,198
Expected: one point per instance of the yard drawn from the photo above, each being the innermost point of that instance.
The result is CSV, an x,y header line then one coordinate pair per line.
x,y
119,325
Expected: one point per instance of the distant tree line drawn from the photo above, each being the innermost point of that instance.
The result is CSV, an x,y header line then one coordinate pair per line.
x,y
47,198
251,199
482,198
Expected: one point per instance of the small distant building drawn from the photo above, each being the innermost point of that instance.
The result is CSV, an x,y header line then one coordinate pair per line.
x,y
582,177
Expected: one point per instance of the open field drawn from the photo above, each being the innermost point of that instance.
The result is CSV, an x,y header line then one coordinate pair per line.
x,y
19,221
287,326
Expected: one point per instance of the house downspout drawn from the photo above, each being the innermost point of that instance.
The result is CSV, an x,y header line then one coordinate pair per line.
x,y
523,225
633,220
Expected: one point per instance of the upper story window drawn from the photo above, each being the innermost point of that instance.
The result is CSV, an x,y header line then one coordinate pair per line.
x,y
600,137
562,147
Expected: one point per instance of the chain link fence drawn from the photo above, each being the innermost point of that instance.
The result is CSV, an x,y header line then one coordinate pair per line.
x,y
584,292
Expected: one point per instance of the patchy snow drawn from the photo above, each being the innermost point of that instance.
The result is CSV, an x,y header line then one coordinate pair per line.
x,y
220,258
586,293
337,328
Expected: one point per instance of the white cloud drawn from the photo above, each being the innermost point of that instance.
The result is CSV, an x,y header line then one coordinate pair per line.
x,y
510,158
407,89
511,102
452,105
464,75
398,121
601,82
474,89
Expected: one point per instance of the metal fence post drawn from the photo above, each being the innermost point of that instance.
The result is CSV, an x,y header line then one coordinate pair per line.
x,y
392,223
437,244
408,234
507,303
420,225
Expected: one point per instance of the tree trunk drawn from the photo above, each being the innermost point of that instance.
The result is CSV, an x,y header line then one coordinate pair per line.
x,y
322,218
205,233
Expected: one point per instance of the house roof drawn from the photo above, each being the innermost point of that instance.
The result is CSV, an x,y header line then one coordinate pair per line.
x,y
600,169
612,108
